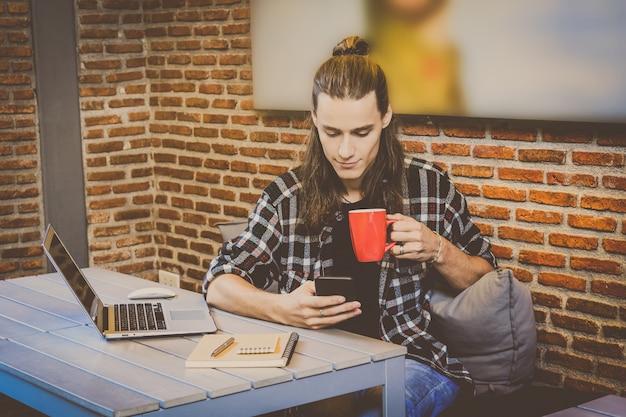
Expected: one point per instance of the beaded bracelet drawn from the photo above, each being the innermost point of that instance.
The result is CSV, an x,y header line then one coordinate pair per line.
x,y
432,261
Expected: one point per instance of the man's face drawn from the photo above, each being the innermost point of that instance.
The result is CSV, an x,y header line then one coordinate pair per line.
x,y
349,132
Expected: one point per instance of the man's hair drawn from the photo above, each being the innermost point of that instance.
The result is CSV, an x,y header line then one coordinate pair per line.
x,y
350,74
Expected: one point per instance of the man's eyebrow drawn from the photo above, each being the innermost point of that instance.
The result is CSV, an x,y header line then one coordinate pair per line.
x,y
356,129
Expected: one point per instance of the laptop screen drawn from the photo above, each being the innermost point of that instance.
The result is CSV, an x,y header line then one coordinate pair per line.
x,y
65,265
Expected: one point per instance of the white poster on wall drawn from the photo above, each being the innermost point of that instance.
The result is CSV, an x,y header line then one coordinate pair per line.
x,y
518,59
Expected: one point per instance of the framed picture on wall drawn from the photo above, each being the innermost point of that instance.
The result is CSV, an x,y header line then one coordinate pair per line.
x,y
518,59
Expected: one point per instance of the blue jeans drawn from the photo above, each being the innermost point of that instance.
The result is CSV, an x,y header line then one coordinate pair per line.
x,y
427,392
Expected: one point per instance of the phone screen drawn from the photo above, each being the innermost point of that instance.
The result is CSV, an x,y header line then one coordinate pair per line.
x,y
336,286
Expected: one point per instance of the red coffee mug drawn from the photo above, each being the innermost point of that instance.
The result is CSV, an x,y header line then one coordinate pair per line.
x,y
368,230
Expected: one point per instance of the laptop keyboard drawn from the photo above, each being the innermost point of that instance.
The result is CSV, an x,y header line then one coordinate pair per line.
x,y
145,316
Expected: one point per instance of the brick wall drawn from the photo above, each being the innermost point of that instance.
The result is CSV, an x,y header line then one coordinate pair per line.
x,y
173,145
21,202
118,141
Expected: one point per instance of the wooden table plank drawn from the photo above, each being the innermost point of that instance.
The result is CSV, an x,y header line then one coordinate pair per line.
x,y
214,382
258,377
377,349
167,391
574,412
33,298
301,366
71,348
10,329
610,405
115,287
34,318
296,392
50,284
341,357
89,392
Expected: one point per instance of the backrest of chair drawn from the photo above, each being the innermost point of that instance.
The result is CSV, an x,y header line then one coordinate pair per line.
x,y
230,230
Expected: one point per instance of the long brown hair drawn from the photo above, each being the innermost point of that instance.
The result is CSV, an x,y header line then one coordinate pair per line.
x,y
349,73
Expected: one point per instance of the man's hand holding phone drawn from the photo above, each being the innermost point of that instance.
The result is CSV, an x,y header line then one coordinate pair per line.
x,y
336,286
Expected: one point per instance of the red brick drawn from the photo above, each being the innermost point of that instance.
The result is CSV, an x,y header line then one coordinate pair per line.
x,y
602,224
592,307
414,126
541,258
524,175
225,149
614,332
574,242
493,152
614,245
551,338
615,289
539,216
553,198
610,350
293,138
613,371
450,149
240,166
195,190
617,205
281,154
472,171
514,131
468,189
614,182
567,133
223,194
414,147
502,252
523,235
562,280
577,324
583,180
266,137
489,212
242,182
503,193
604,266
598,158
569,361
233,134
543,155
548,300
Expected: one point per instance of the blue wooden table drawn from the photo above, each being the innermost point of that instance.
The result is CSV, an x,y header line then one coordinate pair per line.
x,y
52,359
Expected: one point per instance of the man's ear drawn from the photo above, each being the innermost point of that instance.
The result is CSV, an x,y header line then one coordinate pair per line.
x,y
314,118
387,117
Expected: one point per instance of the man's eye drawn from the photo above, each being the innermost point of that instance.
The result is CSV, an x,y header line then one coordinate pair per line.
x,y
362,133
332,134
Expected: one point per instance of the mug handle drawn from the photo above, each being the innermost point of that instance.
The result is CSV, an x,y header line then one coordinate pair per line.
x,y
390,245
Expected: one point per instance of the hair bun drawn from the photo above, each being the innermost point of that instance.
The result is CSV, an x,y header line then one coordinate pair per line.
x,y
352,45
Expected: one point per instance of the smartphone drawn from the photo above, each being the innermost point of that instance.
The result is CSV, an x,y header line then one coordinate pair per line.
x,y
336,286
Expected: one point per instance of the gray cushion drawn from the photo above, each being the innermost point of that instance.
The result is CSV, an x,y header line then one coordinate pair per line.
x,y
490,327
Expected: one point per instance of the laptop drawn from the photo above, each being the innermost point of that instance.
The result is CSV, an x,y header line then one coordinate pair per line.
x,y
150,317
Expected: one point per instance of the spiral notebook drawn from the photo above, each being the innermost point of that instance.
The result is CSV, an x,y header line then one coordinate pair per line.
x,y
244,351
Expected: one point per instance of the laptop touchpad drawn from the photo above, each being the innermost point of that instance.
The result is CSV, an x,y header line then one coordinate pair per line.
x,y
188,314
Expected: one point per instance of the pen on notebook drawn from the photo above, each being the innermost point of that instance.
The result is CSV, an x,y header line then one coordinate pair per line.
x,y
223,347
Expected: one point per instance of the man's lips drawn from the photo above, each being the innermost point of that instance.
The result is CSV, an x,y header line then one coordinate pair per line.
x,y
347,165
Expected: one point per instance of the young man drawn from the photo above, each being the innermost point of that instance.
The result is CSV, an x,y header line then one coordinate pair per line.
x,y
299,231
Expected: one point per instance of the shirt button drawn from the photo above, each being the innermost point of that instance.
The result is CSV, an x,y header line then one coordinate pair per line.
x,y
411,270
339,217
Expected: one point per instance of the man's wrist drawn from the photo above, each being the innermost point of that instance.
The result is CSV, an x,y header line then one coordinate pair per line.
x,y
436,258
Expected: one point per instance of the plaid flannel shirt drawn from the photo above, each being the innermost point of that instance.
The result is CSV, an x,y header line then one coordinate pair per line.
x,y
273,248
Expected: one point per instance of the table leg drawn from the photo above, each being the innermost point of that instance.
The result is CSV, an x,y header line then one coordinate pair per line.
x,y
393,390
